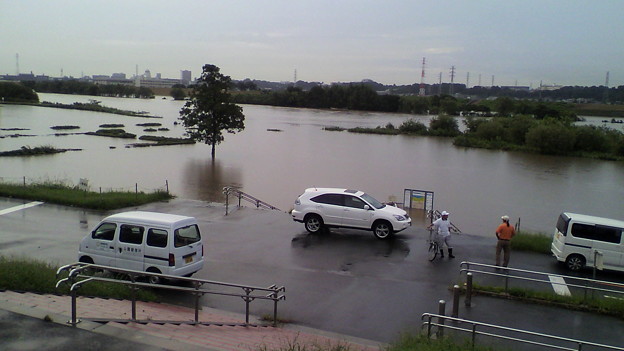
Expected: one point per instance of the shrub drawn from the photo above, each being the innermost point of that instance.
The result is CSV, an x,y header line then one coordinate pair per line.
x,y
551,138
412,126
591,139
444,125
491,130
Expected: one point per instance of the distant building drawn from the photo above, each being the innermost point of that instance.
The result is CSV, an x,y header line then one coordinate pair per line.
x,y
516,87
186,77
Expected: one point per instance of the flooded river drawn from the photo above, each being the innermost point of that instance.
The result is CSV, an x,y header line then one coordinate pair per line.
x,y
282,151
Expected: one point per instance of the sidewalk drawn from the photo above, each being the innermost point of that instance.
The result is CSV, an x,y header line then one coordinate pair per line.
x,y
152,336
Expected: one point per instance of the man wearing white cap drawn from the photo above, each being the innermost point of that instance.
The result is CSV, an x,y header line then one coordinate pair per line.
x,y
504,233
442,226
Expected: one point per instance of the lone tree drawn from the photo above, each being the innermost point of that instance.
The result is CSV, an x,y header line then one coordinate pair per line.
x,y
209,110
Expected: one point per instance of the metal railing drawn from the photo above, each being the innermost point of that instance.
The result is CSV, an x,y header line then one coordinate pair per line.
x,y
228,190
431,320
582,283
83,273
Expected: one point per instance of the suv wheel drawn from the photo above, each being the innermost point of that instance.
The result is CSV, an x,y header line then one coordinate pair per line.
x,y
382,229
313,223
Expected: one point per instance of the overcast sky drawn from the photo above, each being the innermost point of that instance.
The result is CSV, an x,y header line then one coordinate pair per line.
x,y
523,42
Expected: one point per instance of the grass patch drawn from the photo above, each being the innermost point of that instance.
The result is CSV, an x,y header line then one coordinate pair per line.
x,y
111,125
21,274
62,194
151,124
417,342
161,140
612,307
64,127
534,242
113,133
334,129
377,130
35,151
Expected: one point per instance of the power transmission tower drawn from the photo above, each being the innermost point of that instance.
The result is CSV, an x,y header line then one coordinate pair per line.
x,y
452,80
421,91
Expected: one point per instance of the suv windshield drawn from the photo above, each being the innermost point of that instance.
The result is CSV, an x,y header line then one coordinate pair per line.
x,y
371,200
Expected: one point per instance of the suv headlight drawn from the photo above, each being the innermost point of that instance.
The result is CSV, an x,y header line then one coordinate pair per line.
x,y
297,202
400,218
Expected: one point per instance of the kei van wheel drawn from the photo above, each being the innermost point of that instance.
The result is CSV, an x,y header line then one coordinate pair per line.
x,y
152,279
313,223
575,262
382,230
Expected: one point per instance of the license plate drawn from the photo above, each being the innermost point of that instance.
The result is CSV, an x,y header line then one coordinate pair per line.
x,y
189,258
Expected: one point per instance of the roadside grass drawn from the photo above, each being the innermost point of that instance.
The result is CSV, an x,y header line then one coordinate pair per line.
x,y
24,274
419,342
62,194
534,242
608,306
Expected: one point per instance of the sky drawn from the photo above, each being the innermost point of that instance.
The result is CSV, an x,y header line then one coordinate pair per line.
x,y
510,42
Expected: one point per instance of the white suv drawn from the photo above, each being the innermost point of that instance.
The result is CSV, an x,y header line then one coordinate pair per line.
x,y
330,207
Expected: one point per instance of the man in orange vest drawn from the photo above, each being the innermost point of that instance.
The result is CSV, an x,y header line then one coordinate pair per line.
x,y
504,233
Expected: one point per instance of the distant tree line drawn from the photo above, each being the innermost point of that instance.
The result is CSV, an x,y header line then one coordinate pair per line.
x,y
74,86
16,92
350,97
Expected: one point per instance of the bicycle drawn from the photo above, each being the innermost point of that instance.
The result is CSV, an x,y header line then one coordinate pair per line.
x,y
434,246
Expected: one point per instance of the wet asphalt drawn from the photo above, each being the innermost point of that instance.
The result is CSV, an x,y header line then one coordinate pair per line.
x,y
344,281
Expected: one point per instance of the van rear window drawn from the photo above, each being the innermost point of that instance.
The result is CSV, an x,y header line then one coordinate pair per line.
x,y
596,232
186,235
562,224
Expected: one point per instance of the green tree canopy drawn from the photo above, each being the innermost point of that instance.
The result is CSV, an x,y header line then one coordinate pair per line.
x,y
209,111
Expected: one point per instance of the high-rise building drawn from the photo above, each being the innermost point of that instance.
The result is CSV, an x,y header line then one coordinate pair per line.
x,y
186,77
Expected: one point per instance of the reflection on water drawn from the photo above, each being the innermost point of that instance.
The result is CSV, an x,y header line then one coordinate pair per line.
x,y
205,179
476,186
340,250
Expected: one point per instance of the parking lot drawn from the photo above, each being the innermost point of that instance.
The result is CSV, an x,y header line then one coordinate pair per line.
x,y
345,281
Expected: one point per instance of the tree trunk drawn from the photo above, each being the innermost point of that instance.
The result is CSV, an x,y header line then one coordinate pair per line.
x,y
213,151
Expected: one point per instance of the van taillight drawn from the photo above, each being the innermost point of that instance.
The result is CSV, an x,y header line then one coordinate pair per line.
x,y
171,260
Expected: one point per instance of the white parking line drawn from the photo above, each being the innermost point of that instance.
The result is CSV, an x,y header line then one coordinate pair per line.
x,y
20,207
559,285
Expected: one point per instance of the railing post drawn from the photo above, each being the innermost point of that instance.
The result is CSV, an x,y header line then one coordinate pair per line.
x,y
73,307
468,300
441,319
275,307
455,312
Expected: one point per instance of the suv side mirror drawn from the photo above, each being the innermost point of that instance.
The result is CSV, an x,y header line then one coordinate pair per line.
x,y
366,207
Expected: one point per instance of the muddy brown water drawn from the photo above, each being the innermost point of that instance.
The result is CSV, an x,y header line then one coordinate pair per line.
x,y
282,151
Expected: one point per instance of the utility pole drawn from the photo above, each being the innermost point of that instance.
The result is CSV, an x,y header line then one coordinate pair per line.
x,y
467,80
17,64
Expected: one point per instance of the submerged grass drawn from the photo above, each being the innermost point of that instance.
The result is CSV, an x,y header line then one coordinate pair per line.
x,y
534,242
73,196
22,274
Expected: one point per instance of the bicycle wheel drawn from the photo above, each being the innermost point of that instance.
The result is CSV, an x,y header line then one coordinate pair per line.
x,y
433,251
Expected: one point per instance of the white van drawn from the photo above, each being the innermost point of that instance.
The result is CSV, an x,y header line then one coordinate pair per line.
x,y
145,241
580,240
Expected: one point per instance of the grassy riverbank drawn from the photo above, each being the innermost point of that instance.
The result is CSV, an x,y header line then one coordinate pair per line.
x,y
73,196
22,274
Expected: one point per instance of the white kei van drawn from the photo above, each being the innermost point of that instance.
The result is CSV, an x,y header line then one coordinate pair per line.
x,y
581,240
145,241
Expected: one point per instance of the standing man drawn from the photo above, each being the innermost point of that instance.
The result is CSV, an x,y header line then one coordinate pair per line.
x,y
504,233
442,226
